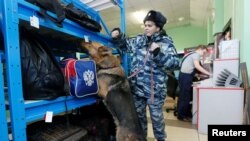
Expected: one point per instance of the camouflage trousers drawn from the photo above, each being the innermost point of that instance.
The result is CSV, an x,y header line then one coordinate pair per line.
x,y
156,114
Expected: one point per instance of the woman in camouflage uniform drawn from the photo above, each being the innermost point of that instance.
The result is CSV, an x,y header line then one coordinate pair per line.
x,y
153,53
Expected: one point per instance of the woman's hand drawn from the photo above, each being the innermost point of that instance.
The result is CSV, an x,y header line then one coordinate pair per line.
x,y
115,34
153,47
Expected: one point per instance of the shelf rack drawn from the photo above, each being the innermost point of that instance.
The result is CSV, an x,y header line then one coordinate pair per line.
x,y
12,13
3,119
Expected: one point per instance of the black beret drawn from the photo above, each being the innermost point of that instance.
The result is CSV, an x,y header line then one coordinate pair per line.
x,y
156,17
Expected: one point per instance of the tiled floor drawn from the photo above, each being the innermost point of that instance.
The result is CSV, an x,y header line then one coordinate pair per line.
x,y
176,130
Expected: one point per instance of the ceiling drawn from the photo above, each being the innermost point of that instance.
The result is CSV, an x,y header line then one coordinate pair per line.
x,y
178,13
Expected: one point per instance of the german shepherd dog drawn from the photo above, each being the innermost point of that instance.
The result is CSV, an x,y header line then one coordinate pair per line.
x,y
115,91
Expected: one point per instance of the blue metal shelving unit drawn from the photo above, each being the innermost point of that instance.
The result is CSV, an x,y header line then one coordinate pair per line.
x,y
3,119
21,111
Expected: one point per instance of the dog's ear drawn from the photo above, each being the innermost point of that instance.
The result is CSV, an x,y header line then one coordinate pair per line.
x,y
103,50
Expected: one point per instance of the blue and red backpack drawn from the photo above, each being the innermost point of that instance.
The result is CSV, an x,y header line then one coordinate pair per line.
x,y
81,77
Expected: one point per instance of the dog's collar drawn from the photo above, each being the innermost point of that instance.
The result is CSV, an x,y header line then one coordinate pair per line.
x,y
114,71
109,69
106,68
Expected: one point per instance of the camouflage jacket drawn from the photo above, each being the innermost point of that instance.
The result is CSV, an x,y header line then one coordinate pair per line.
x,y
155,67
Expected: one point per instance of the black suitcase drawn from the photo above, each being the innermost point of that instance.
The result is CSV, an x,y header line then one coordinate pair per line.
x,y
58,130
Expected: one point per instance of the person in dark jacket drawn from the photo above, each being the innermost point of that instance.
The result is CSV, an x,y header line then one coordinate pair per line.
x,y
153,53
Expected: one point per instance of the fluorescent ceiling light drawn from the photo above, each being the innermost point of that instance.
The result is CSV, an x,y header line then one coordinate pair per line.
x,y
104,6
86,1
139,15
99,4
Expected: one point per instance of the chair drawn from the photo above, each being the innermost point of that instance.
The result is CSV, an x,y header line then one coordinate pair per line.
x,y
172,91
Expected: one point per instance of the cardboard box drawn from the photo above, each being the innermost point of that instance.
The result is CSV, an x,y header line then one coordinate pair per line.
x,y
223,106
229,49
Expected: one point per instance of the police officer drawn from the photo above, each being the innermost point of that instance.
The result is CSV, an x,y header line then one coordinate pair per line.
x,y
153,53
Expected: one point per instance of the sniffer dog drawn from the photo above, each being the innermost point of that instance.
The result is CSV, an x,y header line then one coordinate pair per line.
x,y
115,91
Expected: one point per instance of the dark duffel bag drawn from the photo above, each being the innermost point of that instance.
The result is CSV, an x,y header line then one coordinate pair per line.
x,y
53,6
42,77
80,17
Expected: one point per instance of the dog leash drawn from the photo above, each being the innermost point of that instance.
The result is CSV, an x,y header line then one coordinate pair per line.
x,y
138,70
151,76
152,98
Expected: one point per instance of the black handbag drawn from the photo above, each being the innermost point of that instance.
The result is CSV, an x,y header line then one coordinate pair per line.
x,y
53,6
81,18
